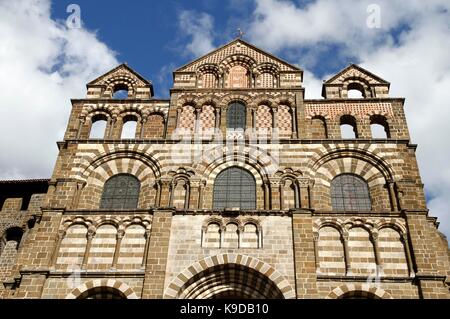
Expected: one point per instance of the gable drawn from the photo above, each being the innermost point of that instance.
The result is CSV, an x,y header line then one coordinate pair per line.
x,y
122,71
238,47
355,71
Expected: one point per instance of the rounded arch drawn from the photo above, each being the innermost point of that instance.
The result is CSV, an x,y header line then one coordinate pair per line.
x,y
187,100
96,285
107,220
90,111
320,159
128,159
121,82
263,99
258,161
178,285
237,59
230,98
363,290
214,172
359,84
336,224
209,100
213,220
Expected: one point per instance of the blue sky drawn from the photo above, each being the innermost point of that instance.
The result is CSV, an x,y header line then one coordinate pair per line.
x,y
146,34
49,64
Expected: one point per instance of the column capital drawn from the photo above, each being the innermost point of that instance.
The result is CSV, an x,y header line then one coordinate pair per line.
x,y
305,182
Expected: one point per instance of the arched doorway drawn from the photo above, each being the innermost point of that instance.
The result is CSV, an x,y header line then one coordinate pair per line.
x,y
230,281
102,293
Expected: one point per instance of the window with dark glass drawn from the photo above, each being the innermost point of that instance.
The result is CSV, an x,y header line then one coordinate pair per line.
x,y
350,193
121,192
235,188
236,116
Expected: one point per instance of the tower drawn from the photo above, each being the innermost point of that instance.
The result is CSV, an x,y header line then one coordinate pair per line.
x,y
237,186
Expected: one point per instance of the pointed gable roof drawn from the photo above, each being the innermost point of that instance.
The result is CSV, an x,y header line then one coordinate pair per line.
x,y
354,70
122,68
238,46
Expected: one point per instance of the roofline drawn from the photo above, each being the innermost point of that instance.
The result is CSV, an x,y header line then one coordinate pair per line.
x,y
360,68
245,42
92,100
129,68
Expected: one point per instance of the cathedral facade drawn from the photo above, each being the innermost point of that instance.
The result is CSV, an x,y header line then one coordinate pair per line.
x,y
235,187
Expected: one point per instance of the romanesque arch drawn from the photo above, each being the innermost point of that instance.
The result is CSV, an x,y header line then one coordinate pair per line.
x,y
358,290
100,285
215,277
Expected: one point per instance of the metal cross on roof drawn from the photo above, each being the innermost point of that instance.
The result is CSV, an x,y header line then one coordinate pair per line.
x,y
240,33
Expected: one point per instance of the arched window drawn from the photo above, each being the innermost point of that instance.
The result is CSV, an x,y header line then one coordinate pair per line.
x,y
129,127
319,127
235,188
98,127
379,127
121,192
355,91
348,127
120,92
350,193
236,116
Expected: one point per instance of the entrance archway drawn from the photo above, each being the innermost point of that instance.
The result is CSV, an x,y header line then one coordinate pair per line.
x,y
230,281
229,276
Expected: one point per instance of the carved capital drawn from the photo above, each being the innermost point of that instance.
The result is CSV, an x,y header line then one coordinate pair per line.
x,y
304,182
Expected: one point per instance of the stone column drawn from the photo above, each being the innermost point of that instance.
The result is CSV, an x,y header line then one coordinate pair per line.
x,y
254,128
61,235
378,262
164,197
90,235
392,195
80,127
275,194
267,199
147,243
348,265
294,123
316,250
275,118
141,133
404,239
119,238
304,184
217,119
197,126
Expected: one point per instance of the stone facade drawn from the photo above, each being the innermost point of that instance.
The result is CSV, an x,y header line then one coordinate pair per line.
x,y
174,244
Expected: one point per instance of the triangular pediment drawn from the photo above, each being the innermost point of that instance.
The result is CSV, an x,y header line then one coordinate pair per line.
x,y
235,48
355,71
123,70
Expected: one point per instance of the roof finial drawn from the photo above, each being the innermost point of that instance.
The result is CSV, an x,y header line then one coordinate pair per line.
x,y
240,33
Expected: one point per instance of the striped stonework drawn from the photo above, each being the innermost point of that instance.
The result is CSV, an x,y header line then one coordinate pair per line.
x,y
99,285
260,288
358,290
298,228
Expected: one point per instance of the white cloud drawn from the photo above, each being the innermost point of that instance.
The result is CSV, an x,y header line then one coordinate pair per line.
x,y
42,66
410,50
199,27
